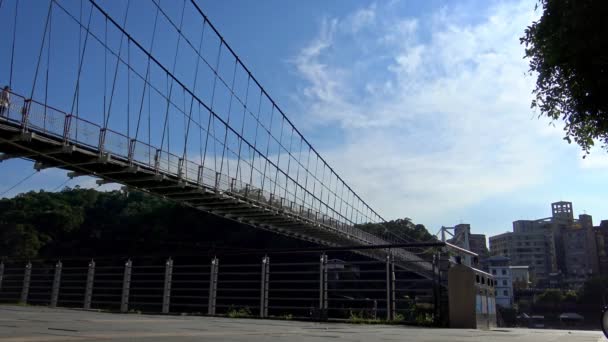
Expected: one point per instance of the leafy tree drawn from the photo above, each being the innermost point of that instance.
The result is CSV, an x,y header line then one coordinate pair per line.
x,y
550,297
594,292
85,222
21,240
567,48
399,229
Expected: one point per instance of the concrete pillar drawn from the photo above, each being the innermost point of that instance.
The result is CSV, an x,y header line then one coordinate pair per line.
x,y
264,287
1,273
390,288
56,284
27,276
88,292
126,287
323,303
167,287
213,286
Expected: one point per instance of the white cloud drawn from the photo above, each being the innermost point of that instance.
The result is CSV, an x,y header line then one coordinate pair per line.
x,y
361,19
438,118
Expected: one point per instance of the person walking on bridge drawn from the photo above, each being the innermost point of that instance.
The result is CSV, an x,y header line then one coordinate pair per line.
x,y
5,98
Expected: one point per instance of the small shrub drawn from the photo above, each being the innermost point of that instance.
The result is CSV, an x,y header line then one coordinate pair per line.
x,y
360,318
424,319
287,317
239,313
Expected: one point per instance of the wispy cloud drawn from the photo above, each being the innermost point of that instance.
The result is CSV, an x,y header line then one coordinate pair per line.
x,y
435,110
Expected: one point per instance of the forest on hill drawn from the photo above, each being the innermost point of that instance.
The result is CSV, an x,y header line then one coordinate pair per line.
x,y
85,222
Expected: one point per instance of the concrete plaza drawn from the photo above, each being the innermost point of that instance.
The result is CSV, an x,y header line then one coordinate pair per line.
x,y
29,323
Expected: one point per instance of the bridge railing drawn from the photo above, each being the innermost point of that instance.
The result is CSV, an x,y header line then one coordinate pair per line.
x,y
317,286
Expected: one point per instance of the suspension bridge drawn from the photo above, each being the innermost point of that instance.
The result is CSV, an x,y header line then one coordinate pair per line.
x,y
149,94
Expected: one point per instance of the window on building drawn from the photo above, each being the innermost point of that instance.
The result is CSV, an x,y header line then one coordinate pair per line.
x,y
494,272
504,272
504,282
505,293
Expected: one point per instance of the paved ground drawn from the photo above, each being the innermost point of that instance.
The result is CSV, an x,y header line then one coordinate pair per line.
x,y
43,324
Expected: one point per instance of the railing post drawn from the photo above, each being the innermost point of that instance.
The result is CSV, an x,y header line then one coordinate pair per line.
x,y
131,155
167,287
200,178
102,140
180,168
390,288
323,287
1,273
126,286
88,292
27,275
213,286
66,128
217,181
157,161
393,288
264,287
25,111
56,284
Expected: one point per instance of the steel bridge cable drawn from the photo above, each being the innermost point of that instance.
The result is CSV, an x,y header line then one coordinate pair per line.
x,y
105,71
10,81
124,23
238,159
48,17
61,185
165,126
84,48
212,117
48,63
79,56
263,91
18,183
187,126
228,120
211,112
146,82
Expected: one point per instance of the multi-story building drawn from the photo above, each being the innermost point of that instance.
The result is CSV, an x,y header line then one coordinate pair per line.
x,y
476,243
580,251
528,248
500,268
558,244
601,236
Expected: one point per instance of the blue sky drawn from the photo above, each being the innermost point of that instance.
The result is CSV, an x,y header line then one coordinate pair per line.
x,y
422,107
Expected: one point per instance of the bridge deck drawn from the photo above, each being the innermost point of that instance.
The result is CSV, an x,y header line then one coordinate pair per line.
x,y
53,138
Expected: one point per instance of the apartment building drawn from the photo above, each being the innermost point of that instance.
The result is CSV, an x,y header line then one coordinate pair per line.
x,y
559,244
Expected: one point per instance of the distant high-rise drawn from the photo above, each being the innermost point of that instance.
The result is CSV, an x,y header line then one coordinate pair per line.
x,y
553,245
